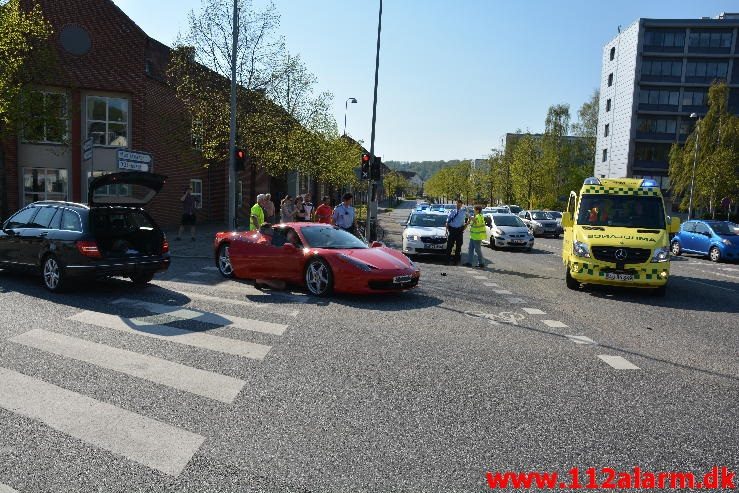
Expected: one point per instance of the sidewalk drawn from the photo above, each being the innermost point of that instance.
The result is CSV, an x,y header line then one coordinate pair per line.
x,y
202,247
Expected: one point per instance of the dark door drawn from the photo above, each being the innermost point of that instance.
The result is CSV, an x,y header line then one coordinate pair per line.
x,y
34,237
687,240
10,236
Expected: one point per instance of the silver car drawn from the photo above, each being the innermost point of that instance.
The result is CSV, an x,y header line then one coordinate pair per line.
x,y
558,216
507,231
540,223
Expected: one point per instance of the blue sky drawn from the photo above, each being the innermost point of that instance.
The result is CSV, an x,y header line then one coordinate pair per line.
x,y
455,75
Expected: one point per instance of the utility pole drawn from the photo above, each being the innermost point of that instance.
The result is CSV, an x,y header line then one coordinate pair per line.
x,y
372,186
232,137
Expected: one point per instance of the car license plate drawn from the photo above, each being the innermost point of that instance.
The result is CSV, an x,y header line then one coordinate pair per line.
x,y
432,246
517,242
614,276
401,279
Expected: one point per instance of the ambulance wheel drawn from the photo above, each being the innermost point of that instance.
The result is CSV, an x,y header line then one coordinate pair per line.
x,y
571,282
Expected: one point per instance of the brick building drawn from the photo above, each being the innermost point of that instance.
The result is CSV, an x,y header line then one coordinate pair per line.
x,y
111,87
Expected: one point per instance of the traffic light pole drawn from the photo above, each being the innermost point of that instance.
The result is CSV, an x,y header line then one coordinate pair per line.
x,y
232,136
371,188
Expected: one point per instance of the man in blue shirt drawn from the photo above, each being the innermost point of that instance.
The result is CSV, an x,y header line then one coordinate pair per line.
x,y
344,216
456,222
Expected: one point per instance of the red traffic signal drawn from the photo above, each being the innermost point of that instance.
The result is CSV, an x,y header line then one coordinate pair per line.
x,y
366,158
239,158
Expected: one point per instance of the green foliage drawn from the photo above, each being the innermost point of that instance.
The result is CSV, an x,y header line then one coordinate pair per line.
x,y
424,169
716,161
587,126
395,183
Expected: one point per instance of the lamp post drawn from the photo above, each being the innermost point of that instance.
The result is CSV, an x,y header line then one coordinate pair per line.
x,y
346,107
695,159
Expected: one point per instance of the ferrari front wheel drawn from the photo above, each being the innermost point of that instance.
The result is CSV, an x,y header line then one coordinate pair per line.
x,y
224,261
318,277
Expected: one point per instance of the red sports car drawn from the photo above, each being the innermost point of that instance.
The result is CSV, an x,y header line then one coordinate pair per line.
x,y
321,257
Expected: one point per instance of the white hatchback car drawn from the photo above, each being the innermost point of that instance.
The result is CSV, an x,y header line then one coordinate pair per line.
x,y
507,231
425,233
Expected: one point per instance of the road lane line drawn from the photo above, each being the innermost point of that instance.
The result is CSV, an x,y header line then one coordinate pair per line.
x,y
553,323
533,311
219,319
211,268
140,439
502,291
491,284
200,340
515,300
618,362
196,274
480,277
580,339
711,285
231,287
4,488
181,377
230,301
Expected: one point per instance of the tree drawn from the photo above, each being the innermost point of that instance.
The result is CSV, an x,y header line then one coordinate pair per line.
x,y
587,124
556,154
395,183
527,178
717,159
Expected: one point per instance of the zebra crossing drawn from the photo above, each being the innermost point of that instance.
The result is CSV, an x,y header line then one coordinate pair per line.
x,y
150,442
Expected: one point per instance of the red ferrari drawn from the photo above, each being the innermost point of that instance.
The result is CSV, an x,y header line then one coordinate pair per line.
x,y
321,257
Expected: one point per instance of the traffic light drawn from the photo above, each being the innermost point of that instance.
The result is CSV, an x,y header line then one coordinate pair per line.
x,y
239,159
376,168
366,158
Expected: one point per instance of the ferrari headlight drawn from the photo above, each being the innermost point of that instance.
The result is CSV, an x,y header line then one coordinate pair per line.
x,y
580,249
356,263
661,254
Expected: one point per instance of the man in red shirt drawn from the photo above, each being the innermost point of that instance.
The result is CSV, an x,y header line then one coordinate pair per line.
x,y
324,211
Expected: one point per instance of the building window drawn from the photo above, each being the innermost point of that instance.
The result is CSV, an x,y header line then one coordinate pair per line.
x,y
44,184
652,152
607,129
239,194
198,135
656,126
197,192
662,68
610,79
107,121
654,96
608,105
710,40
707,69
48,121
664,39
613,53
605,155
694,98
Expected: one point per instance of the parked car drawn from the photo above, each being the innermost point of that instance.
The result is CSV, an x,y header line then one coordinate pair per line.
x,y
321,257
112,235
719,240
507,231
514,209
425,233
501,209
540,223
558,216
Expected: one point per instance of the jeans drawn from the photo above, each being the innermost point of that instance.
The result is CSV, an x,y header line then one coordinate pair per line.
x,y
475,246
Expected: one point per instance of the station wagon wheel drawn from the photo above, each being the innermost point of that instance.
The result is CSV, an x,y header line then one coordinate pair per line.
x,y
224,261
318,277
676,250
53,274
714,254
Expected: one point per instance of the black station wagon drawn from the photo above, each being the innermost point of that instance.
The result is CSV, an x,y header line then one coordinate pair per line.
x,y
111,235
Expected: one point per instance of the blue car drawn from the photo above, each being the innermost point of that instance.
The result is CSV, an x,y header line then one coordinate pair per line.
x,y
717,239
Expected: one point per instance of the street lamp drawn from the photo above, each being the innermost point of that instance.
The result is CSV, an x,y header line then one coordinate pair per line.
x,y
346,107
695,159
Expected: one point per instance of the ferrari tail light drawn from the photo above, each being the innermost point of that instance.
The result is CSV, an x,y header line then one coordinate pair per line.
x,y
89,249
165,245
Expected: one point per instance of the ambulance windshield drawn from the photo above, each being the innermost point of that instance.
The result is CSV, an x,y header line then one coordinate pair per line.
x,y
624,211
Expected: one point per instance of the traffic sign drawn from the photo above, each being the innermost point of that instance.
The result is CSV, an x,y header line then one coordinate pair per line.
x,y
87,149
135,160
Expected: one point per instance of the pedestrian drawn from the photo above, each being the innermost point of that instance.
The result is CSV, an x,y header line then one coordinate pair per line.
x,y
456,223
299,209
269,209
287,209
324,211
477,234
308,206
256,217
344,216
189,202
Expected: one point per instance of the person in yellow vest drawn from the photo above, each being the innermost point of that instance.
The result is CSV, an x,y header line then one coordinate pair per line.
x,y
477,234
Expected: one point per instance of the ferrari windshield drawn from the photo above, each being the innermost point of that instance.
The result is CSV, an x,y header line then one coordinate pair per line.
x,y
330,237
428,220
625,211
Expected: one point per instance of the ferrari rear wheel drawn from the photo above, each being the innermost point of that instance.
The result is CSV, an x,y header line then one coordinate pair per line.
x,y
318,277
224,261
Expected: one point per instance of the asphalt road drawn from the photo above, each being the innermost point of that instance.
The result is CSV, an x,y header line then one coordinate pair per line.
x,y
196,383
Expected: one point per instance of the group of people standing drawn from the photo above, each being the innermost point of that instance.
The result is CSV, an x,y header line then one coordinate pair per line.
x,y
457,221
301,209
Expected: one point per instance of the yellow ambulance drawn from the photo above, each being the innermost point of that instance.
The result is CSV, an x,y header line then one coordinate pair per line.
x,y
616,233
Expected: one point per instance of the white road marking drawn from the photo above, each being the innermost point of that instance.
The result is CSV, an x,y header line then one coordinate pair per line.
x,y
219,319
232,287
230,301
143,440
533,311
515,300
211,268
4,488
196,274
711,285
157,370
480,277
618,362
172,334
580,339
502,291
491,284
553,323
